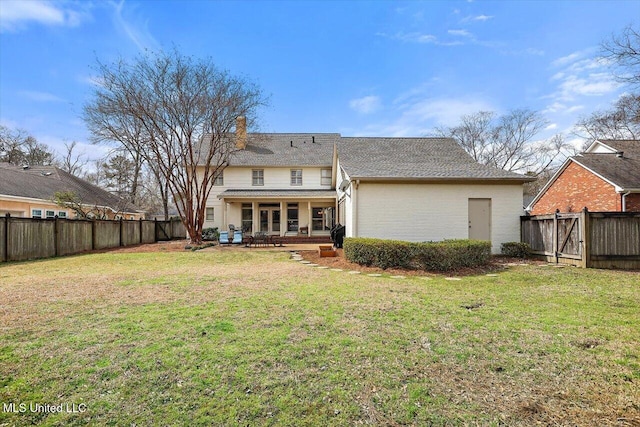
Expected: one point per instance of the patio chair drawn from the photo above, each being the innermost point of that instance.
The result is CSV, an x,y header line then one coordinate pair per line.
x,y
237,237
224,238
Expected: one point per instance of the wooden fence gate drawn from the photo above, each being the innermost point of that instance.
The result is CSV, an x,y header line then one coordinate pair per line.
x,y
585,239
558,237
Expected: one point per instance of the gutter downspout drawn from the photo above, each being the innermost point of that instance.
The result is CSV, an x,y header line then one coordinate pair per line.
x,y
354,207
624,201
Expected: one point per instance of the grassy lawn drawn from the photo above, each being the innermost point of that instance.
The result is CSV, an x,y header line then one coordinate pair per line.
x,y
238,338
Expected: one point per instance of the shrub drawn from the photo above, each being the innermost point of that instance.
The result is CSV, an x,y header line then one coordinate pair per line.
x,y
441,256
210,233
515,249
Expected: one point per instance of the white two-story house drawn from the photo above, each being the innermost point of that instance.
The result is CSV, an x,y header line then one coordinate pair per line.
x,y
414,189
279,183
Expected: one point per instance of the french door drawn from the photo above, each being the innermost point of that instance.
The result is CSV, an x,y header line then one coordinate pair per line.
x,y
270,220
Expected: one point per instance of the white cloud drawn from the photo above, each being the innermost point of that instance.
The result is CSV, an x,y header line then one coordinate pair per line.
x,y
91,80
41,96
416,114
366,105
442,112
136,31
461,33
566,60
578,76
421,38
477,18
16,14
593,84
534,51
551,126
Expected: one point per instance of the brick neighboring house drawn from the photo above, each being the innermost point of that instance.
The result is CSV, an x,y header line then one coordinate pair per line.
x,y
606,177
28,192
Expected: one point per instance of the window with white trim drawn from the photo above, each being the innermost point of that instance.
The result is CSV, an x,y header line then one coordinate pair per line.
x,y
257,177
296,176
247,218
219,179
36,213
325,177
209,214
62,214
50,214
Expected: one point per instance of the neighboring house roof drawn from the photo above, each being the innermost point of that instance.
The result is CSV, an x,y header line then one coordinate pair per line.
x,y
622,171
42,182
285,149
303,194
415,158
629,147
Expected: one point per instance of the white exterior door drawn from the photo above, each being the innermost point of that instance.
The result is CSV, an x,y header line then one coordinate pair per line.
x,y
270,220
480,219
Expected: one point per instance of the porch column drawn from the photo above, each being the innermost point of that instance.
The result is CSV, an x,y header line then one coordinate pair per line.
x,y
255,217
283,218
223,225
310,214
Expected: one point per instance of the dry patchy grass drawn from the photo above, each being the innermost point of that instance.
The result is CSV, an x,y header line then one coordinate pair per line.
x,y
252,338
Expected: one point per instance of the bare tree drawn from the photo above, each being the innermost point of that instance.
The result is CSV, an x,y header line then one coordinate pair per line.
x,y
184,110
83,209
507,141
72,161
11,145
19,148
475,134
623,52
620,122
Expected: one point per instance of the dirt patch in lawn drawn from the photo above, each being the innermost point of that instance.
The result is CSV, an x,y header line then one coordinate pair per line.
x,y
339,261
170,246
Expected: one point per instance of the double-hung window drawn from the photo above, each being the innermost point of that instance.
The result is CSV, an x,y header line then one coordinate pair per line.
x,y
296,176
209,214
325,177
219,179
257,177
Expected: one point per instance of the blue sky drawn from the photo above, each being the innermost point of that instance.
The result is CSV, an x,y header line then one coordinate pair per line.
x,y
373,68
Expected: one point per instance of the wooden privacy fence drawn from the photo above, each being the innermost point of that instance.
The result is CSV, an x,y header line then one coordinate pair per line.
x,y
30,238
586,239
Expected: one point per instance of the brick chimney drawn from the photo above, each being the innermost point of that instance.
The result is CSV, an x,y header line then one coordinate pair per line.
x,y
241,132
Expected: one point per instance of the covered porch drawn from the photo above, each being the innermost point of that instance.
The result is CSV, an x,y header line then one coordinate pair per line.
x,y
285,213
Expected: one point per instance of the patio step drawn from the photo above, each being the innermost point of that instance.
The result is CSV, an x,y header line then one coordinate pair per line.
x,y
305,239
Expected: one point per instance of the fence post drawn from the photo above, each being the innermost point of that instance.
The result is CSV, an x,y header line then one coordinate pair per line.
x,y
121,239
555,235
93,235
7,217
586,237
56,242
140,239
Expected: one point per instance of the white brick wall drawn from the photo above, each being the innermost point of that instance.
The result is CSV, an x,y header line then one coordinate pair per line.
x,y
423,212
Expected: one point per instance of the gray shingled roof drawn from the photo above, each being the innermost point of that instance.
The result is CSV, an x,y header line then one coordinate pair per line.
x,y
630,147
42,182
305,194
414,158
275,149
622,171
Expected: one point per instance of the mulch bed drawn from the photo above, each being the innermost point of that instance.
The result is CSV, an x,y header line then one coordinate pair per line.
x,y
497,263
